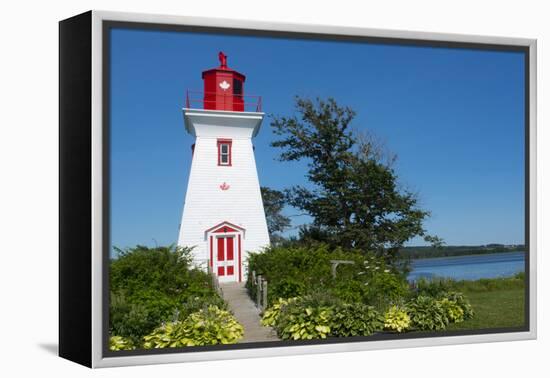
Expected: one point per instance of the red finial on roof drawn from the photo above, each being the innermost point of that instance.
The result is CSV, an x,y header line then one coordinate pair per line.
x,y
223,59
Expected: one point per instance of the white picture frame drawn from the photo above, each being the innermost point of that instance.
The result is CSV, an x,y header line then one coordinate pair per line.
x,y
97,22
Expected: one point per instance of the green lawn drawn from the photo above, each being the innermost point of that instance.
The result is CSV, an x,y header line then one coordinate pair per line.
x,y
498,308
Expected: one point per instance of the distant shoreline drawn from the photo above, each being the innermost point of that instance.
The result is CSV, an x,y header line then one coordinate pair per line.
x,y
417,253
474,255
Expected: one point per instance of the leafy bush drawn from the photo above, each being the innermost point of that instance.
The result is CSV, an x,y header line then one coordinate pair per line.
x,y
301,322
427,314
195,304
353,291
354,320
120,343
163,269
151,286
271,315
455,305
462,302
385,289
288,288
434,287
397,319
320,316
129,319
454,313
205,327
301,270
291,272
349,303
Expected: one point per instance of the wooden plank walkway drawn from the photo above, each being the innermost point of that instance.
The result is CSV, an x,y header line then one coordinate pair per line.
x,y
246,313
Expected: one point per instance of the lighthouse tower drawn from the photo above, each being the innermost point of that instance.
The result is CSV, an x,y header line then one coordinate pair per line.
x,y
223,215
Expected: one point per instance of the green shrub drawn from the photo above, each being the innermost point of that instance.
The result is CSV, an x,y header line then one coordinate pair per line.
x,y
151,286
271,314
370,281
120,343
302,318
287,288
131,320
319,316
291,271
455,305
354,320
205,327
427,314
299,271
463,303
352,291
397,319
454,313
164,269
195,304
301,322
385,288
434,287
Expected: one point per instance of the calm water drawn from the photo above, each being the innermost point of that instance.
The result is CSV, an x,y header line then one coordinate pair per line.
x,y
469,267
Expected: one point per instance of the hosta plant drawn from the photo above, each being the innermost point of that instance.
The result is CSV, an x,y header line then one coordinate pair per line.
x,y
302,322
427,314
270,315
462,302
120,343
209,326
354,320
453,311
169,335
396,319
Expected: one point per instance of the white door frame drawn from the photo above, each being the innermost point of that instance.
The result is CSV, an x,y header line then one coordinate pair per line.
x,y
235,262
223,230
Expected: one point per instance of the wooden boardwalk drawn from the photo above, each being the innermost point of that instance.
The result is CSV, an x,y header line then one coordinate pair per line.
x,y
246,313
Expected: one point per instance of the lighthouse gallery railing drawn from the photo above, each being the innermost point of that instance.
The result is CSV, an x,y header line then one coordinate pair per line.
x,y
197,100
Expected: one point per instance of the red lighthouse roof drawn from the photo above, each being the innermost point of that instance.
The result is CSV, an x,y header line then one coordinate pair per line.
x,y
224,90
223,87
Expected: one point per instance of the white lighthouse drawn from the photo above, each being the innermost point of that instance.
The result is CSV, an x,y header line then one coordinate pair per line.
x,y
223,215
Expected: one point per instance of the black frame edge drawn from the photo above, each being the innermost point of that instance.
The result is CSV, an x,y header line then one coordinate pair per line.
x,y
75,194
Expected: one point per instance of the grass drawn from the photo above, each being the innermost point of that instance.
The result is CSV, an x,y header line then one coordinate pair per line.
x,y
497,303
494,309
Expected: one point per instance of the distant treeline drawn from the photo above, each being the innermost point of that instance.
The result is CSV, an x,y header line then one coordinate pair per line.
x,y
445,251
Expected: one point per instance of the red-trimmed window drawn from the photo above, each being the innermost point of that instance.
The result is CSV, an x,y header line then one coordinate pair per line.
x,y
224,151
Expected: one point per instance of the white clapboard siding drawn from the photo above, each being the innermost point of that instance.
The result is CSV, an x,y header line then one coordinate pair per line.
x,y
206,204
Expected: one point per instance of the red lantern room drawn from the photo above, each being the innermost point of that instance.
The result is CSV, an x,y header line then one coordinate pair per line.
x,y
223,87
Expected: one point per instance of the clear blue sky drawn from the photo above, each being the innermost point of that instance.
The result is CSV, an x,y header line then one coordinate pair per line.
x,y
454,117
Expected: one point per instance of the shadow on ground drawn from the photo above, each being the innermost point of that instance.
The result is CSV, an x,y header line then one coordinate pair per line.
x,y
51,348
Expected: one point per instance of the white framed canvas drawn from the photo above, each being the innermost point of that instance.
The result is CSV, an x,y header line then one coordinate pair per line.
x,y
234,189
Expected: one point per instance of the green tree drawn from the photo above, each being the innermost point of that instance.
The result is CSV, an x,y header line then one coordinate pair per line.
x,y
354,197
274,202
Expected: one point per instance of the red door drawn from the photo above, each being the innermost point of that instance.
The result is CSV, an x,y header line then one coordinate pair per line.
x,y
226,257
